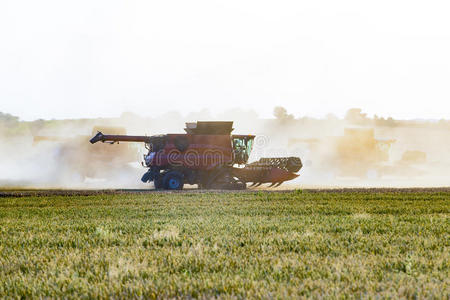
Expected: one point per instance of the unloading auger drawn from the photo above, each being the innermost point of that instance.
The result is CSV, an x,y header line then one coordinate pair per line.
x,y
207,155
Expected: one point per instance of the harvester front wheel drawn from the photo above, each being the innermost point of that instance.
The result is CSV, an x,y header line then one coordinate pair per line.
x,y
173,180
158,183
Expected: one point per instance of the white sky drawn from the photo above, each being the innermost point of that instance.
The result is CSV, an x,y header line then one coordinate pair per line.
x,y
86,58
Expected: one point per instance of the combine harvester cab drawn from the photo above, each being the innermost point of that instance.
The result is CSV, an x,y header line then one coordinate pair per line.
x,y
207,155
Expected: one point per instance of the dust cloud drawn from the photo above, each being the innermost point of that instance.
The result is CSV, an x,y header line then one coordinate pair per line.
x,y
355,151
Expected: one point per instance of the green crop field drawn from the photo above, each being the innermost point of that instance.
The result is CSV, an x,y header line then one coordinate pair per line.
x,y
257,244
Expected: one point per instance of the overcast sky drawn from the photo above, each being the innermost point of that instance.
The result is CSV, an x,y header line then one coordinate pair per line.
x,y
85,58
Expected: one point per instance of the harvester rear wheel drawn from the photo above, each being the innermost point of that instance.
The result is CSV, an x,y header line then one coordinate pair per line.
x,y
173,180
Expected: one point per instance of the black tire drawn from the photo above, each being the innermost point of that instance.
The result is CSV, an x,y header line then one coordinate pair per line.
x,y
158,182
224,182
173,180
241,186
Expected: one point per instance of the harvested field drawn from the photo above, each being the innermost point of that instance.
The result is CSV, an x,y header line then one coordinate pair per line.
x,y
258,244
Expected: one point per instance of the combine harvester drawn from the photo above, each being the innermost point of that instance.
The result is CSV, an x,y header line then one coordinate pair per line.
x,y
207,155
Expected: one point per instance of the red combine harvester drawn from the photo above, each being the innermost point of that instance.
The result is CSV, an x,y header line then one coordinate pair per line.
x,y
207,155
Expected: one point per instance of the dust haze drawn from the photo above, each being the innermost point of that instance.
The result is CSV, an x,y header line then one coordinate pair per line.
x,y
354,151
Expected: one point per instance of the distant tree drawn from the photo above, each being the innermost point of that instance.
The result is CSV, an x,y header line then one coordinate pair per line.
x,y
380,121
8,118
281,114
11,125
355,116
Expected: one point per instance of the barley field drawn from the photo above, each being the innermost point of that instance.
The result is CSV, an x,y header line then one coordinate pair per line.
x,y
251,244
